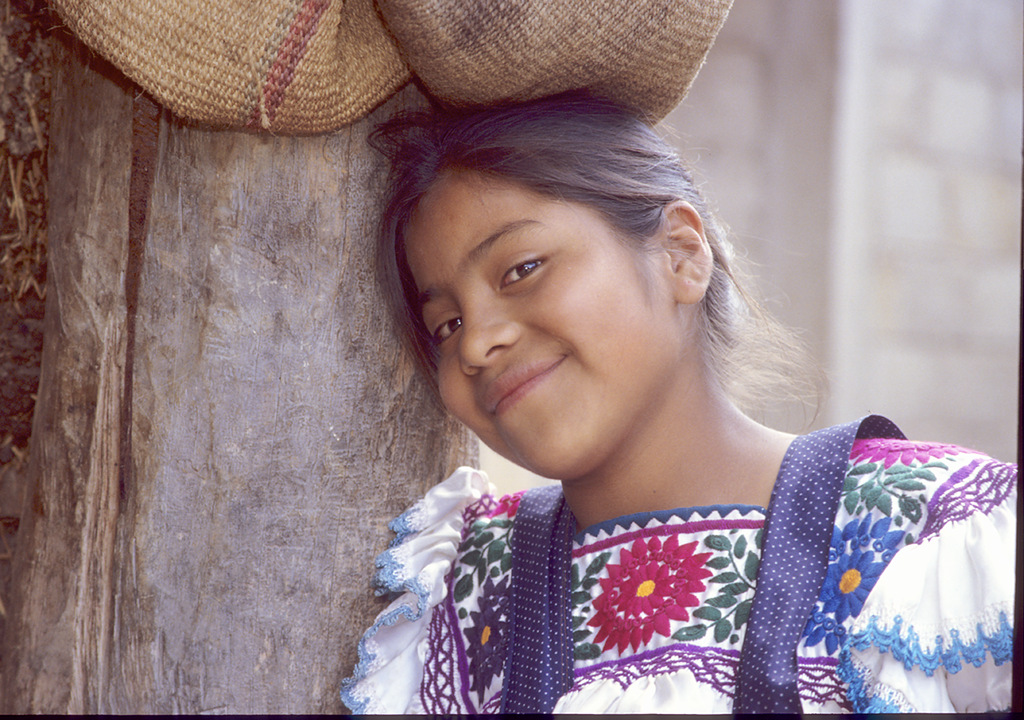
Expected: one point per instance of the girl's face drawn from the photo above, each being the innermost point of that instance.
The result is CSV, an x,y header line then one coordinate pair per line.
x,y
556,344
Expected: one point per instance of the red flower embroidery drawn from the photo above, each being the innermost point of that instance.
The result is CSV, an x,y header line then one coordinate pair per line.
x,y
653,584
889,451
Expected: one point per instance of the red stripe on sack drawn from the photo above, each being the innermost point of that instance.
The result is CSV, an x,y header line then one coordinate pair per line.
x,y
289,55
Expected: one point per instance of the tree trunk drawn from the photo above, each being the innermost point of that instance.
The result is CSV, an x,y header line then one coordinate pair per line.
x,y
225,422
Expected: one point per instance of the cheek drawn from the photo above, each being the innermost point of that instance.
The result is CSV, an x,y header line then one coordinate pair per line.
x,y
455,392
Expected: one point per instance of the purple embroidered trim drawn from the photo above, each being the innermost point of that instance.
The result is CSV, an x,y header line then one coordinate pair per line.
x,y
671,529
475,511
819,684
711,666
817,679
437,690
960,497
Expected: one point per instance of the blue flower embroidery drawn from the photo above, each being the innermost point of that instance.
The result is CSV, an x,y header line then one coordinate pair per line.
x,y
858,555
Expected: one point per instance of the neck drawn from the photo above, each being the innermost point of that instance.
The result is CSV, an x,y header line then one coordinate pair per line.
x,y
725,458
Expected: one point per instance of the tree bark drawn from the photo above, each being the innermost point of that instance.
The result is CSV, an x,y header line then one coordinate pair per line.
x,y
226,420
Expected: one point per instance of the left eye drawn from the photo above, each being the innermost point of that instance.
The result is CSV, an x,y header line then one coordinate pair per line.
x,y
520,271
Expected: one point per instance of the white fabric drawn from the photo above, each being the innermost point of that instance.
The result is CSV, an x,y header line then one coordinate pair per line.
x,y
948,585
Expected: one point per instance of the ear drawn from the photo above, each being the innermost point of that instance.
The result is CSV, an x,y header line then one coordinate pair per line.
x,y
689,257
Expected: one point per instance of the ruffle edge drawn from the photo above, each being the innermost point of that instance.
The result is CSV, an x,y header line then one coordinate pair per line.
x,y
411,569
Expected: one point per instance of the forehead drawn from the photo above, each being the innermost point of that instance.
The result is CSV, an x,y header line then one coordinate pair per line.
x,y
458,212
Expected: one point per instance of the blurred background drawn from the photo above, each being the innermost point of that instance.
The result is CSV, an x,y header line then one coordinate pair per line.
x,y
866,155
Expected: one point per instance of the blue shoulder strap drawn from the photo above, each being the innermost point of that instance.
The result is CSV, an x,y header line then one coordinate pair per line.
x,y
538,667
798,531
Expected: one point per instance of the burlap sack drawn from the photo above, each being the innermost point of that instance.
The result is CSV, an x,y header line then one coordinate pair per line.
x,y
643,53
306,66
289,66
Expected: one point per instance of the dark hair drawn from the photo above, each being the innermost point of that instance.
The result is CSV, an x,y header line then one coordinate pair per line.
x,y
578,148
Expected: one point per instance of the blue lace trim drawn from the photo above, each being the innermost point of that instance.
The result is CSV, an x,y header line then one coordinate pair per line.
x,y
949,653
390,578
366,658
860,693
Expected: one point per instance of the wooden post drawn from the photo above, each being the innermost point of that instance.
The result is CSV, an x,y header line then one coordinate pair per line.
x,y
225,421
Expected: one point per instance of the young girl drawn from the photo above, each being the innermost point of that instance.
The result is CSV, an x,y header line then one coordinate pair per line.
x,y
564,284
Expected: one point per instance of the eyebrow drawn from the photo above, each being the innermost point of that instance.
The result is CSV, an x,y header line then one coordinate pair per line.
x,y
480,250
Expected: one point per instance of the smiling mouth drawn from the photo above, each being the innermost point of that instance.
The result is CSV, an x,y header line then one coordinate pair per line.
x,y
514,384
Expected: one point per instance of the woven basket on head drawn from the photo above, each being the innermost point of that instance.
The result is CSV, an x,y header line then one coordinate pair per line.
x,y
305,66
642,53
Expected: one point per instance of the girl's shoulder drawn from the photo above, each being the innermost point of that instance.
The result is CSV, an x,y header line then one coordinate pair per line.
x,y
918,594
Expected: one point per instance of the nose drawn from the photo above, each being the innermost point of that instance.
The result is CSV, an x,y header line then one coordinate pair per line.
x,y
483,340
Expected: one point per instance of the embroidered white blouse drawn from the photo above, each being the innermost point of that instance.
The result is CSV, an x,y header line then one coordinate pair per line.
x,y
915,613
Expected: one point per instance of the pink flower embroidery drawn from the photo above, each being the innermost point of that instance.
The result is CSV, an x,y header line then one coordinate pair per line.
x,y
507,505
889,451
654,583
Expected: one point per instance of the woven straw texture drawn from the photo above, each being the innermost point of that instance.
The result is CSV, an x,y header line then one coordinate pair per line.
x,y
307,66
295,66
642,53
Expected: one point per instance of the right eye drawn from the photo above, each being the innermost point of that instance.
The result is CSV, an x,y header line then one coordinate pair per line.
x,y
446,329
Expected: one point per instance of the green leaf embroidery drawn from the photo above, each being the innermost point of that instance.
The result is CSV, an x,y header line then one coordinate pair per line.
x,y
751,565
718,542
473,557
870,492
908,485
743,613
506,562
579,635
726,577
850,502
580,597
925,474
463,587
718,563
708,613
722,630
589,583
482,539
495,550
597,564
587,651
721,601
910,507
884,503
736,588
693,632
862,469
741,546
578,620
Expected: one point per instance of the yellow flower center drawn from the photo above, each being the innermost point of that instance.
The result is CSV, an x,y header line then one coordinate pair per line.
x,y
850,581
485,635
645,589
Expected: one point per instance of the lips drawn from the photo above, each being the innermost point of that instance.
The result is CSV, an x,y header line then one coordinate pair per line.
x,y
516,382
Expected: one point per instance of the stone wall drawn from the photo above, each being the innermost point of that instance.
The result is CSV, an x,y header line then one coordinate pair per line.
x,y
866,156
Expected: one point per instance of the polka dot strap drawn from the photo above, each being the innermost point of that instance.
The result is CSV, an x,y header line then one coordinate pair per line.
x,y
538,667
798,530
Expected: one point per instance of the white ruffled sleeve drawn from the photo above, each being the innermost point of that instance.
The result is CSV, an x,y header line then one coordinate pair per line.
x,y
387,677
935,634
